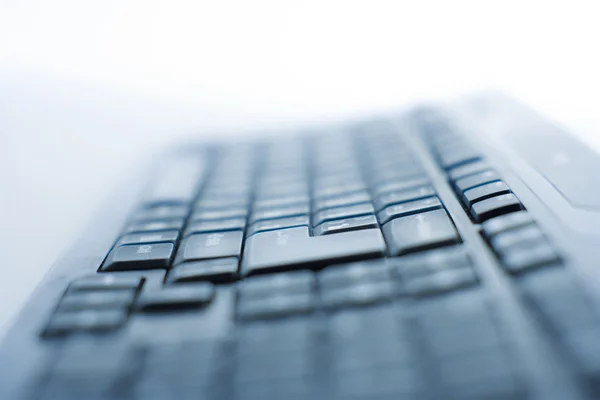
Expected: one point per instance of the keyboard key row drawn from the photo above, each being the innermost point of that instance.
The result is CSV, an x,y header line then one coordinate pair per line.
x,y
351,285
519,243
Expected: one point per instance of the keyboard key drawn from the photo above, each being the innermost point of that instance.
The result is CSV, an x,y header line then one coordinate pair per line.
x,y
177,182
293,248
484,374
467,169
154,226
403,196
220,203
381,382
219,270
281,283
275,202
215,215
506,222
337,213
366,294
135,257
495,206
106,282
401,185
99,299
85,321
431,261
346,225
457,157
210,245
345,200
408,208
327,191
483,192
420,232
475,180
280,212
278,223
162,212
176,297
236,224
278,306
441,282
521,237
354,274
156,237
519,258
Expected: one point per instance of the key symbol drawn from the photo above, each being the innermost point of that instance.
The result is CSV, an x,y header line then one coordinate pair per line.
x,y
144,249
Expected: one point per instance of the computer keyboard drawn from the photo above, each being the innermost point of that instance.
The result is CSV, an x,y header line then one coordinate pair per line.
x,y
337,270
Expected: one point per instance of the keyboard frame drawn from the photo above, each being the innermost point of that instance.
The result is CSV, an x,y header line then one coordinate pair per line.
x,y
23,354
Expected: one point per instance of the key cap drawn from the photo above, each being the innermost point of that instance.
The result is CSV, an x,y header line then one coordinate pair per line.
x,y
236,224
475,180
154,226
346,200
400,185
457,157
276,202
217,271
156,237
283,305
106,282
505,223
162,212
420,232
281,283
85,321
219,203
346,225
366,294
280,212
100,299
485,374
337,213
215,215
521,258
279,223
408,208
354,274
520,237
483,192
432,261
293,248
177,182
403,196
176,297
331,191
490,208
143,256
210,245
440,282
467,169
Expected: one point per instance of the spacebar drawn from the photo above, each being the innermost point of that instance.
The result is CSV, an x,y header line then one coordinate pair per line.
x,y
293,248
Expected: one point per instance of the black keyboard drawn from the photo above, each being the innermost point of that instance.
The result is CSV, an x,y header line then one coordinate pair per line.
x,y
341,264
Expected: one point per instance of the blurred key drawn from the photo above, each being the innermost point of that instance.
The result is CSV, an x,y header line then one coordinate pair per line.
x,y
143,256
420,232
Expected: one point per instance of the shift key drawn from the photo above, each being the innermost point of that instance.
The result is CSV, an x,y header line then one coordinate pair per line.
x,y
210,245
420,232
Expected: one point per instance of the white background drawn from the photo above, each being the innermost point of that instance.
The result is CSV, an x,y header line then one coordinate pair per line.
x,y
86,88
